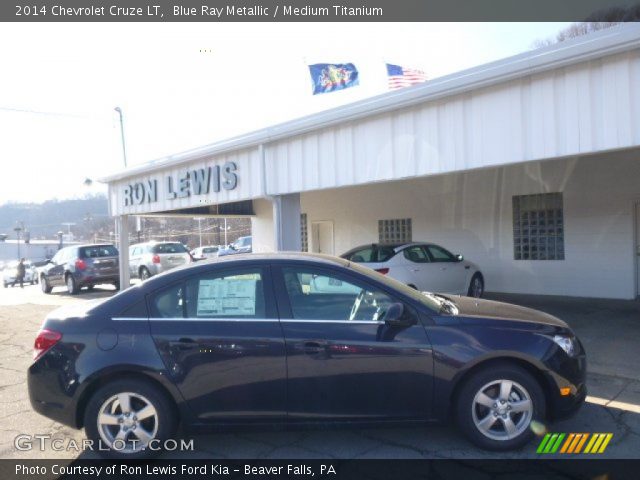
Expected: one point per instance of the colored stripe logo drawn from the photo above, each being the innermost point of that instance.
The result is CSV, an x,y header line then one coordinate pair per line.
x,y
574,443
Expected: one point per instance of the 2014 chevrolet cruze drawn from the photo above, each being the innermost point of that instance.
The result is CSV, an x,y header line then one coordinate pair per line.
x,y
297,339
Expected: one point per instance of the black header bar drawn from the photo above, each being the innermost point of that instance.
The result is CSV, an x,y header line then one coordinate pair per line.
x,y
314,10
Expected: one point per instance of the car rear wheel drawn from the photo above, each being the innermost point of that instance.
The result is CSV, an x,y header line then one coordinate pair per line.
x,y
476,287
131,418
44,284
496,407
72,285
144,273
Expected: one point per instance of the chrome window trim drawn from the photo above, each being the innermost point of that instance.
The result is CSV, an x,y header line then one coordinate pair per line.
x,y
210,319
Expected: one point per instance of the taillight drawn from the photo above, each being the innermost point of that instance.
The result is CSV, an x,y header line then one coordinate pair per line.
x,y
383,271
155,259
80,264
44,341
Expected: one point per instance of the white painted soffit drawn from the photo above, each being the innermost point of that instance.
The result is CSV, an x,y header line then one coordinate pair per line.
x,y
622,38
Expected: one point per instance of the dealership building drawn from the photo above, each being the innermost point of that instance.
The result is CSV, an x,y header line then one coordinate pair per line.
x,y
528,166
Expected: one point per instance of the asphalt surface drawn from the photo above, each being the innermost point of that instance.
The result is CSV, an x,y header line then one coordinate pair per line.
x,y
610,330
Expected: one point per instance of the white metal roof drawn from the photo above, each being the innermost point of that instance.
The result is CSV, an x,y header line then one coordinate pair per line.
x,y
611,41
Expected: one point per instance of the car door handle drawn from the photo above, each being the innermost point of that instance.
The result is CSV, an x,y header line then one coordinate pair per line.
x,y
443,268
415,269
314,347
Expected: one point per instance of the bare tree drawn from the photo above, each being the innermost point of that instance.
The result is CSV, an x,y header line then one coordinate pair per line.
x,y
599,20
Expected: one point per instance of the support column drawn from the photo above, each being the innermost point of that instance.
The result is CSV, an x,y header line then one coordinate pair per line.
x,y
123,248
286,222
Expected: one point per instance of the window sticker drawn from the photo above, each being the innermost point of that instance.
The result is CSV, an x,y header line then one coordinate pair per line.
x,y
227,297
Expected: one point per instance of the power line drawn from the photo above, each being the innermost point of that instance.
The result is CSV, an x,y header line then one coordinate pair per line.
x,y
52,114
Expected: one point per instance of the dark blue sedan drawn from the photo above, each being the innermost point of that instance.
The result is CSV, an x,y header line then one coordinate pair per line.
x,y
296,339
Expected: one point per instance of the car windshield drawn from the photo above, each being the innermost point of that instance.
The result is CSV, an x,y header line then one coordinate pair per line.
x,y
434,303
97,251
169,248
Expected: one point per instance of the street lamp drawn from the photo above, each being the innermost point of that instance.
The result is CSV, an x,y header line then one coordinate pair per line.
x,y
18,229
124,150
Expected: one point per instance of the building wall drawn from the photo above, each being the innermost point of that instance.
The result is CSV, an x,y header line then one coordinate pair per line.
x,y
471,213
262,226
589,107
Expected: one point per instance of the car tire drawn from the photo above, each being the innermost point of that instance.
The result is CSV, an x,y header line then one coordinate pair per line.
x,y
117,285
494,420
144,273
411,285
5,285
90,287
159,425
476,286
44,285
72,285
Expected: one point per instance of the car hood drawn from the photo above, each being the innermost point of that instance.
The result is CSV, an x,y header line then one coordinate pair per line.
x,y
489,309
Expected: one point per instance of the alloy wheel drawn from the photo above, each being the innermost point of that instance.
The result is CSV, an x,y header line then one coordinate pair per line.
x,y
127,422
502,409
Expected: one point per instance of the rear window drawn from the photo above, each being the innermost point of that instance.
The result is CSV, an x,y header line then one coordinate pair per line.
x,y
169,248
372,254
98,251
210,250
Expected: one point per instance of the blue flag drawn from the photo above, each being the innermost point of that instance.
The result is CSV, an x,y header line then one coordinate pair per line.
x,y
328,77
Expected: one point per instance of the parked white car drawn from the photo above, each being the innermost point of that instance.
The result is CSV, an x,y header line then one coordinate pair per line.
x,y
423,266
201,253
11,270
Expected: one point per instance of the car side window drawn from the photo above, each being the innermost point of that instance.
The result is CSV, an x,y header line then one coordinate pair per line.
x,y
231,294
168,303
416,254
322,295
363,255
439,254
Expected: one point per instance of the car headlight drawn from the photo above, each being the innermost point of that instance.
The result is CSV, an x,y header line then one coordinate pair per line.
x,y
568,343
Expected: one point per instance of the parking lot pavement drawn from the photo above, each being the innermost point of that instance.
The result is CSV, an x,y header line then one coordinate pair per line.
x,y
613,405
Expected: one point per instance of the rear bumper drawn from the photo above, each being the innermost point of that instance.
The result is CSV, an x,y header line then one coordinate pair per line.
x,y
50,393
96,278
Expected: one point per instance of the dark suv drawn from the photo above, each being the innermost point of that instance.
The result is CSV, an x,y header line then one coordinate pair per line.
x,y
81,266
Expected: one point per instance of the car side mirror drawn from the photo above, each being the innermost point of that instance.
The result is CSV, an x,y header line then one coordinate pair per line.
x,y
459,257
396,316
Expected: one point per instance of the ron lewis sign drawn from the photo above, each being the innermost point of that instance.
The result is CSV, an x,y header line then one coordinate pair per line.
x,y
197,181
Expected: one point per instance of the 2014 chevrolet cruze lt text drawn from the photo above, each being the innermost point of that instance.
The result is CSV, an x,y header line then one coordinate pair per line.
x,y
295,339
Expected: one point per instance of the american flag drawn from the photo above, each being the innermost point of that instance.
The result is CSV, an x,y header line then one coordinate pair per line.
x,y
400,77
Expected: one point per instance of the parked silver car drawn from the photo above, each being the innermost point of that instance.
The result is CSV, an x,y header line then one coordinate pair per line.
x,y
150,258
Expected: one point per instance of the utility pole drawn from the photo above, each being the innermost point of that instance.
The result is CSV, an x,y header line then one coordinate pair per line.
x,y
199,220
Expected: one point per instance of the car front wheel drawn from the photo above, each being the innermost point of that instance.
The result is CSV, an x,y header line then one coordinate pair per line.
x,y
495,407
130,418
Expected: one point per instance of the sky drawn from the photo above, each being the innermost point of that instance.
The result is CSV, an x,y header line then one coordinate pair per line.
x,y
181,86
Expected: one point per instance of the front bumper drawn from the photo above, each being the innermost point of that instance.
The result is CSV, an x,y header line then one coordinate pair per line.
x,y
566,373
